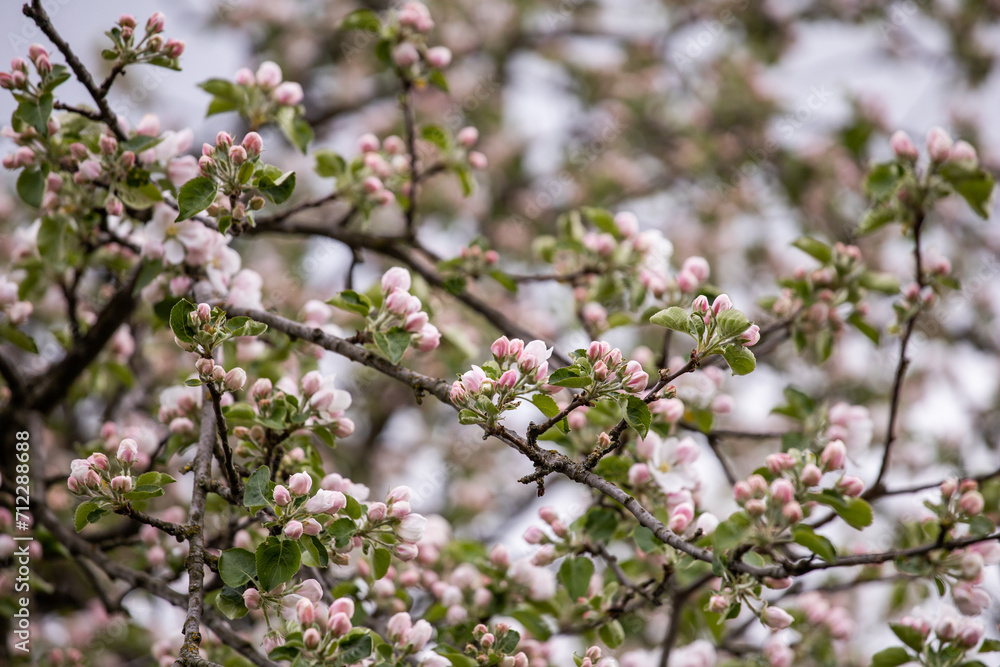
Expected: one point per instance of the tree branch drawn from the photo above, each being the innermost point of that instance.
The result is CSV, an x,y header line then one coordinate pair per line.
x,y
235,484
36,12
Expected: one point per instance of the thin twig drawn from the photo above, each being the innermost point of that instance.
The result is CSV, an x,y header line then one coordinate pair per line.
x,y
235,484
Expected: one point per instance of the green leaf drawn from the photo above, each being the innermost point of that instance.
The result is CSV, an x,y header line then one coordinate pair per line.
x,y
361,19
31,186
36,113
180,321
990,646
882,180
909,636
195,196
353,508
673,318
740,359
546,404
314,553
239,327
393,343
858,320
257,492
467,417
155,478
813,248
891,657
18,337
343,527
144,492
436,136
731,323
230,603
637,415
876,217
886,283
574,575
352,302
237,567
646,540
602,219
612,633
329,164
436,77
855,511
533,622
274,184
277,562
600,524
224,89
295,128
569,377
353,649
730,533
84,513
139,197
819,545
975,187
380,562
509,643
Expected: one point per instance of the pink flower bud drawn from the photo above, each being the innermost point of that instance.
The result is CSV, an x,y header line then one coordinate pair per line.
x,y
339,624
903,146
681,518
811,475
938,144
534,535
638,474
251,598
311,638
718,604
468,136
742,492
439,57
300,483
972,503
477,160
776,618
792,511
173,48
237,154
851,486
508,379
405,55
751,336
782,491
128,451
721,303
396,278
268,75
122,484
253,144
281,496
235,379
304,609
244,77
700,304
293,530
288,93
698,266
963,155
261,388
204,366
377,511
155,22
834,455
755,507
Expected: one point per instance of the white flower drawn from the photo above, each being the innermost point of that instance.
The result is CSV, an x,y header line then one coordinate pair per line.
x,y
174,238
669,463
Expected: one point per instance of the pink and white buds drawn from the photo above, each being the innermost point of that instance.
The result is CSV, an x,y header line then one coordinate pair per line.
x,y
776,618
251,598
288,93
718,604
468,136
235,379
293,530
721,303
535,535
792,512
938,144
399,626
834,455
681,518
368,143
300,483
811,475
782,491
305,610
244,77
851,486
700,304
751,336
963,155
122,483
311,638
636,378
128,451
268,75
478,160
156,22
253,143
903,146
281,496
639,474
339,624
262,388
972,503
439,57
396,278
697,266
411,528
329,502
405,54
